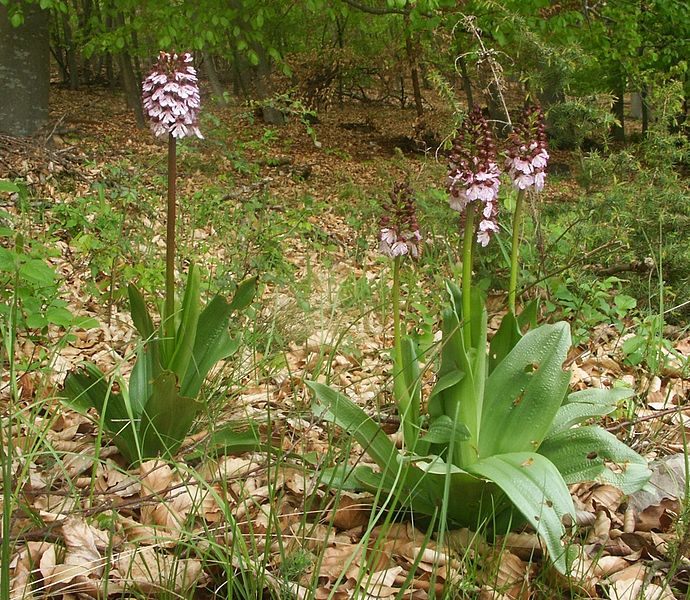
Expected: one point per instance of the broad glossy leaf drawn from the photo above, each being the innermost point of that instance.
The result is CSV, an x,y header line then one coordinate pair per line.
x,y
167,417
462,401
140,313
412,380
588,453
527,319
244,294
187,331
537,490
525,391
586,404
88,387
335,407
443,429
232,438
213,343
504,340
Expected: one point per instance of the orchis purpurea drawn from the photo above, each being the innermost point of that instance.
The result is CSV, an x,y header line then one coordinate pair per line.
x,y
152,415
170,95
526,163
473,178
399,237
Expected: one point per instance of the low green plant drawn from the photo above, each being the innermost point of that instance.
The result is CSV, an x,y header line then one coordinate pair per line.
x,y
507,443
589,302
501,438
152,415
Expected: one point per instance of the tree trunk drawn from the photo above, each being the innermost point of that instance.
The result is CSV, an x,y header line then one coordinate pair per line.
x,y
131,87
414,74
214,80
466,83
71,53
24,72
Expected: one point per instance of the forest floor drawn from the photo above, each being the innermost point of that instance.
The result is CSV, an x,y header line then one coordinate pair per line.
x,y
299,209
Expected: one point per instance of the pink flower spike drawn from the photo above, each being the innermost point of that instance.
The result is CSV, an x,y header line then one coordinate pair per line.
x,y
171,97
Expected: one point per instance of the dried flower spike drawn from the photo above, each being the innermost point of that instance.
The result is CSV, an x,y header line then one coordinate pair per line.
x,y
473,174
528,156
399,228
170,95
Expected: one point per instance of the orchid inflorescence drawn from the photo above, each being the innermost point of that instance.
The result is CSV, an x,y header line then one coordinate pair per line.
x,y
399,228
473,173
171,97
528,156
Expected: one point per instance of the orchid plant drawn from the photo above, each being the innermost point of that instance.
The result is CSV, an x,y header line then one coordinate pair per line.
x,y
498,445
152,415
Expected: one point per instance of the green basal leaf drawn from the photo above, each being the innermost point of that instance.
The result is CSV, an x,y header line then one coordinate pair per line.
x,y
525,391
85,388
599,396
537,490
8,186
140,313
462,400
187,331
593,454
409,407
141,379
586,404
527,319
88,388
505,339
167,417
335,407
232,438
213,343
244,294
443,429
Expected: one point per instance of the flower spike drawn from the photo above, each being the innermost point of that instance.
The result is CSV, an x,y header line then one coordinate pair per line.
x,y
473,175
170,95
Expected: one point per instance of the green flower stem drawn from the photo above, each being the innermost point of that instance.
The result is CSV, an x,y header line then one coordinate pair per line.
x,y
517,226
467,245
400,391
169,324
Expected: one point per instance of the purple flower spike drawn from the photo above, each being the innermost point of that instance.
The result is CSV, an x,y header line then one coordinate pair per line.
x,y
528,155
399,229
170,95
473,175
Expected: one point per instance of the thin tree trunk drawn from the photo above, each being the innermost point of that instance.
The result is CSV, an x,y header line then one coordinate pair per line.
x,y
466,83
214,80
131,87
414,74
71,53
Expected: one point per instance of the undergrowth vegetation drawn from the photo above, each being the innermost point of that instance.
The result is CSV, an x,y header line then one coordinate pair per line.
x,y
249,494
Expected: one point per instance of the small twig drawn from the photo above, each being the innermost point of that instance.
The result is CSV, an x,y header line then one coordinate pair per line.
x,y
658,414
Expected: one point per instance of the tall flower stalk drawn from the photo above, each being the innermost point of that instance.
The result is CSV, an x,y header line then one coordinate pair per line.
x,y
473,182
171,99
400,237
526,163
